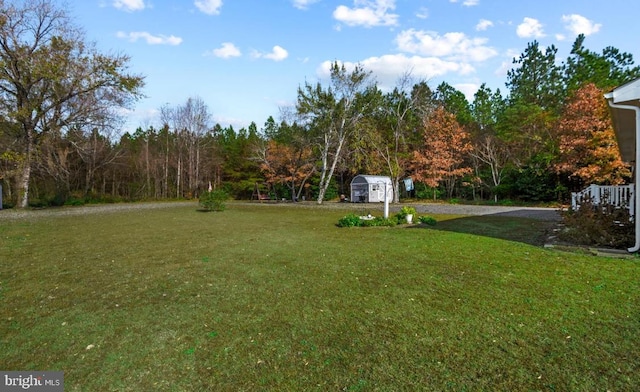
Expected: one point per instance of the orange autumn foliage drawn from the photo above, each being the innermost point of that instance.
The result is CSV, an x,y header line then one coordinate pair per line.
x,y
587,142
442,156
284,164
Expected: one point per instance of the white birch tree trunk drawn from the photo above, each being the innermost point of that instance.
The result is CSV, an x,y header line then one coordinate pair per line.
x,y
23,184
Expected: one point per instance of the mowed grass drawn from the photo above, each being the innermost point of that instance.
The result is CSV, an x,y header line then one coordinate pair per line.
x,y
278,298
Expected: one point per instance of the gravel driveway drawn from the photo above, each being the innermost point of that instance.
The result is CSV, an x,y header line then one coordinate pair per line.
x,y
14,213
540,213
545,214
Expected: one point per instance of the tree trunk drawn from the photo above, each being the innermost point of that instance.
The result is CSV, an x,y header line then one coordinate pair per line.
x,y
165,192
23,184
323,174
196,194
326,178
178,177
148,166
396,190
25,176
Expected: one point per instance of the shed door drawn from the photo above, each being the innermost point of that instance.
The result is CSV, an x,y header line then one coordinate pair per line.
x,y
381,189
377,192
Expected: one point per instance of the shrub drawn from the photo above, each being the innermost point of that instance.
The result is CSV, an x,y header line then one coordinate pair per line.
x,y
598,225
404,211
74,200
425,192
58,199
401,216
506,202
350,220
427,220
353,220
214,200
38,203
379,221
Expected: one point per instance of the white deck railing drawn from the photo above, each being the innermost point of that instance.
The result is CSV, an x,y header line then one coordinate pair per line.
x,y
620,196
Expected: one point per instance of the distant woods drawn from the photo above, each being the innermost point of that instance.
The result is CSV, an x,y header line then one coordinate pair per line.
x,y
548,133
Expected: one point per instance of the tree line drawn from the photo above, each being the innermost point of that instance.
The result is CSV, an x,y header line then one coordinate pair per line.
x,y
549,134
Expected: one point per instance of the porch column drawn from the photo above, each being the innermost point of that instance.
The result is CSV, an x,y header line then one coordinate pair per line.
x,y
636,192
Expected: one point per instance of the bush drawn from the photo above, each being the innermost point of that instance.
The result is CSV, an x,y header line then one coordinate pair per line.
x,y
353,220
506,202
214,200
401,216
74,202
404,211
38,203
424,192
350,220
598,225
427,220
379,221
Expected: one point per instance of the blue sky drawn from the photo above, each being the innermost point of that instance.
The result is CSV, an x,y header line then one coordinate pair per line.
x,y
246,58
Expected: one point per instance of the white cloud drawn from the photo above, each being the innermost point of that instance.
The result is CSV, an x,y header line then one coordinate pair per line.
x,y
387,68
503,69
578,24
530,28
507,65
278,53
129,5
467,3
225,121
303,4
423,13
560,37
209,7
150,38
453,46
367,13
468,89
227,50
484,24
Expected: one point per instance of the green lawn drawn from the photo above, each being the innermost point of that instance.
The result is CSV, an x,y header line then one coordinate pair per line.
x,y
279,298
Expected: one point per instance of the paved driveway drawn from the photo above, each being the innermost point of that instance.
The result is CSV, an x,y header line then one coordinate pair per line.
x,y
546,214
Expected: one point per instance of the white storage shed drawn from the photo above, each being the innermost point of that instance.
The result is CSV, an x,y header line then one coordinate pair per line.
x,y
371,189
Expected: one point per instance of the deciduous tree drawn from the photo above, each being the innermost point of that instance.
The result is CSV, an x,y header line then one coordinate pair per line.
x,y
334,113
402,110
588,148
287,165
441,159
489,149
52,78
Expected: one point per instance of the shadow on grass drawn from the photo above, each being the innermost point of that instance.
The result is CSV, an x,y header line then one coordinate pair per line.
x,y
506,226
207,210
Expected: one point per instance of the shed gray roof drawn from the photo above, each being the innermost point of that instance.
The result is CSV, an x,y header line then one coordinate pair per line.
x,y
370,179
